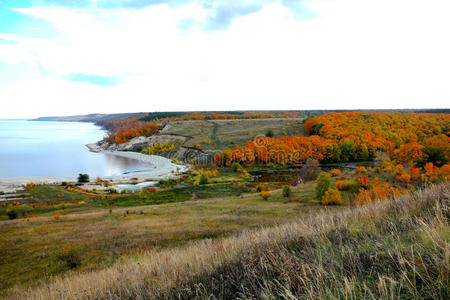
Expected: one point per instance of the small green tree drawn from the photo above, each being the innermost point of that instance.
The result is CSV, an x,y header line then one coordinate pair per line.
x,y
235,167
286,191
204,179
323,183
362,153
348,149
269,133
83,178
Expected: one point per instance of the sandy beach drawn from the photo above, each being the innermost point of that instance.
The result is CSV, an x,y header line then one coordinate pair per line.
x,y
163,168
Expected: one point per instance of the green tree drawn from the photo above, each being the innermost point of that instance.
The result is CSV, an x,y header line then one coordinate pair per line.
x,y
286,191
348,151
435,155
323,183
235,167
332,154
83,178
204,179
316,128
269,133
362,153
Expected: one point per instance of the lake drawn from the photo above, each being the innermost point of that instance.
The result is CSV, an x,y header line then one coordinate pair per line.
x,y
34,148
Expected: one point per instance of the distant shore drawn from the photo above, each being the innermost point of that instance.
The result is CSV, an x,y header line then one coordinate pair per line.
x,y
163,168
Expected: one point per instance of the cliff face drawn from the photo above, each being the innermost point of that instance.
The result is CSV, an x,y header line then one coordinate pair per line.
x,y
181,152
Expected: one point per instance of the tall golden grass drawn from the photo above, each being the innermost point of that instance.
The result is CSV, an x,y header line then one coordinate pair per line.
x,y
396,248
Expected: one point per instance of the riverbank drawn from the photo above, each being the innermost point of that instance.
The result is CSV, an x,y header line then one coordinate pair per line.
x,y
162,168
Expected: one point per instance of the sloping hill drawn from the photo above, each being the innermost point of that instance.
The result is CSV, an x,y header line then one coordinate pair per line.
x,y
221,134
89,118
386,250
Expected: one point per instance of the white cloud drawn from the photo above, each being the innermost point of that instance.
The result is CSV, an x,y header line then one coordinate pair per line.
x,y
354,54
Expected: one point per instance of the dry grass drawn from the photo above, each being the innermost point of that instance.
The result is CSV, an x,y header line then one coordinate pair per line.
x,y
387,250
29,246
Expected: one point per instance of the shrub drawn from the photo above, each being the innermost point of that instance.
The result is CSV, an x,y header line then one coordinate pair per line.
x,y
399,170
70,256
264,195
405,178
235,167
360,170
332,197
28,186
344,185
269,133
323,183
204,179
244,173
157,148
365,182
168,182
12,214
83,178
335,172
261,188
286,191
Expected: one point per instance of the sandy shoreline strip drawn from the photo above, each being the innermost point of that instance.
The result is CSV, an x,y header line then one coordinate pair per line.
x,y
163,168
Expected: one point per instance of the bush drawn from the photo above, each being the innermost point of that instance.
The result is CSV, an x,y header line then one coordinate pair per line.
x,y
344,185
70,256
286,191
360,170
204,179
235,167
332,197
269,133
261,188
323,183
335,172
83,178
405,178
168,182
264,195
12,214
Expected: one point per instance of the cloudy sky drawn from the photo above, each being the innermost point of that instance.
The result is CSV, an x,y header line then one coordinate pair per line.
x,y
65,57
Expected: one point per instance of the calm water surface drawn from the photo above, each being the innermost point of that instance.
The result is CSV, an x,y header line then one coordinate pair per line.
x,y
32,148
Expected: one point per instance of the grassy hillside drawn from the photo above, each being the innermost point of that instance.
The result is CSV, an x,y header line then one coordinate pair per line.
x,y
30,245
221,134
389,249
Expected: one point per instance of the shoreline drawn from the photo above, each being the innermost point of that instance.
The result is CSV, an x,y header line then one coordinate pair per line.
x,y
163,168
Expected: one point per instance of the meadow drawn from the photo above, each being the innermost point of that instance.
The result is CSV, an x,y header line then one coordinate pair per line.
x,y
102,230
383,250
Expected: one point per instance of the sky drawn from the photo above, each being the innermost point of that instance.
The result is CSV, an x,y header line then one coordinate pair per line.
x,y
68,57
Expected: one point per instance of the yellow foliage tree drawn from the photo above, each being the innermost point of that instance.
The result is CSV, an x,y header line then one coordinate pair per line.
x,y
332,197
